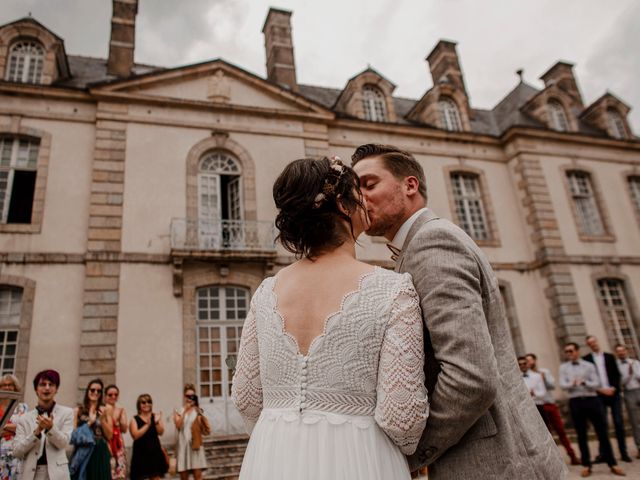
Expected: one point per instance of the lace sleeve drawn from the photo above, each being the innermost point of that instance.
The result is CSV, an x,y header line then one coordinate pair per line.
x,y
247,386
402,405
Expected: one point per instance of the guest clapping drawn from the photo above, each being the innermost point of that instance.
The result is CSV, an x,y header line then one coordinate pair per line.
x,y
120,426
42,435
147,460
8,464
98,418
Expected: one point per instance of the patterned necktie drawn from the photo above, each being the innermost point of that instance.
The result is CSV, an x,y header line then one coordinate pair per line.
x,y
395,251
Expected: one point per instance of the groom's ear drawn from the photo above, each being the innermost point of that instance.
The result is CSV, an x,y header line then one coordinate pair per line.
x,y
411,185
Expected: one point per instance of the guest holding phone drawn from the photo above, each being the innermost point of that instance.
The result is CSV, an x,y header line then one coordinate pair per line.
x,y
190,453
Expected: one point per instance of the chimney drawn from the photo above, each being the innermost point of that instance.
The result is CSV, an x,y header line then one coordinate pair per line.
x,y
561,74
123,37
278,44
444,65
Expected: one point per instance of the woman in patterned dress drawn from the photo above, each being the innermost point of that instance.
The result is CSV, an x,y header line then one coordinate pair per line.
x,y
9,466
120,426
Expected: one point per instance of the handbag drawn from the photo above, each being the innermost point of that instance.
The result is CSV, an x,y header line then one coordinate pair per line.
x,y
196,434
171,461
199,428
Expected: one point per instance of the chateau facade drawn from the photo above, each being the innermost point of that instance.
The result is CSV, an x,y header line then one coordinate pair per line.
x,y
137,216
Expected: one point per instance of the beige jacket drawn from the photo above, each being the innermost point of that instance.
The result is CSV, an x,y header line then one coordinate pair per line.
x,y
482,422
28,447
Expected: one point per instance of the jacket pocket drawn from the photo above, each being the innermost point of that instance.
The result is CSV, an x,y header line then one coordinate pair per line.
x,y
485,427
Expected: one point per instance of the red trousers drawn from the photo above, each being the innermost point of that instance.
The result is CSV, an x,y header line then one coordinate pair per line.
x,y
553,419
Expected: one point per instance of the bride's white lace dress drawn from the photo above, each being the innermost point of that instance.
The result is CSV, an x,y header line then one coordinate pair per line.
x,y
349,409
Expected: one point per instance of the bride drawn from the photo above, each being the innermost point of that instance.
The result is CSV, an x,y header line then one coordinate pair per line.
x,y
329,377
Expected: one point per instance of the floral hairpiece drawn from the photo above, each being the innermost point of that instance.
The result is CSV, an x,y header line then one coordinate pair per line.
x,y
330,182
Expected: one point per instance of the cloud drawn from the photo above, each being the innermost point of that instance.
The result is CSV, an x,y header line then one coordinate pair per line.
x,y
614,66
335,39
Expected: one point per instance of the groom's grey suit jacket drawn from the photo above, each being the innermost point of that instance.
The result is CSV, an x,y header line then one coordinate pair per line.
x,y
482,421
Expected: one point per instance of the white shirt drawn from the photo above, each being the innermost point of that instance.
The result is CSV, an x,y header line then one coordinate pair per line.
x,y
403,231
535,385
601,368
549,384
629,381
582,371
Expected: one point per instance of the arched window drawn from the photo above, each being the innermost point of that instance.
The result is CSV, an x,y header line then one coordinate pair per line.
x,y
586,206
557,116
618,320
10,309
25,62
616,124
18,165
220,315
220,210
469,205
373,102
449,115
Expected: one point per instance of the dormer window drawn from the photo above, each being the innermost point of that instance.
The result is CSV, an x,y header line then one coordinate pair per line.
x,y
25,62
557,116
373,102
449,115
616,123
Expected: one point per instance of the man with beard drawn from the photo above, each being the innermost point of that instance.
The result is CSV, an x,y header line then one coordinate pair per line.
x,y
482,422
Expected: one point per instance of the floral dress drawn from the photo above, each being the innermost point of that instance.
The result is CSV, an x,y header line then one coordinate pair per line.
x,y
119,459
10,466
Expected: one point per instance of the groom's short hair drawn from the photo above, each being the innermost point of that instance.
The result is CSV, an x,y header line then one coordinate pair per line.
x,y
399,162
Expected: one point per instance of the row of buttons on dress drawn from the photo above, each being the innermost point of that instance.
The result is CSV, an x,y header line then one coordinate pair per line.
x,y
303,383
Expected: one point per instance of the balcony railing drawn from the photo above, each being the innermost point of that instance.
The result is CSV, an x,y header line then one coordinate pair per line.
x,y
222,235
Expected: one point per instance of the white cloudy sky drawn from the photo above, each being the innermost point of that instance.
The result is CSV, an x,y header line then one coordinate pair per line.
x,y
335,39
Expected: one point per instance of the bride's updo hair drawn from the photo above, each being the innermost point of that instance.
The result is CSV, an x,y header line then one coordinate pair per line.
x,y
306,194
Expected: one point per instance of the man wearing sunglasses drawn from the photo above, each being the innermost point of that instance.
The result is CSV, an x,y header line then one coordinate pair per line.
x,y
43,434
580,380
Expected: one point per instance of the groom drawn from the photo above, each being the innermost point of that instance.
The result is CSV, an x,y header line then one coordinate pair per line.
x,y
482,422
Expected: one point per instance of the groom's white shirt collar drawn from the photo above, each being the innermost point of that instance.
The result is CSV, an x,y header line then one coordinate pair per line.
x,y
403,231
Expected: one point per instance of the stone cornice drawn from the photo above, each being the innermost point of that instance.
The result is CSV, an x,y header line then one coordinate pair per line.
x,y
45,91
167,102
419,131
167,259
567,138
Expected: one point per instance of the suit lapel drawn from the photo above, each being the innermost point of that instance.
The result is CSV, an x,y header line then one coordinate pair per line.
x,y
421,220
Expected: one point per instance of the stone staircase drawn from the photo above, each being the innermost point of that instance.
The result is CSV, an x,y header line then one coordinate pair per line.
x,y
224,456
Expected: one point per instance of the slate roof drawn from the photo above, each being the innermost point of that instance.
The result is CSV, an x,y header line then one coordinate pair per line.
x,y
88,70
506,114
